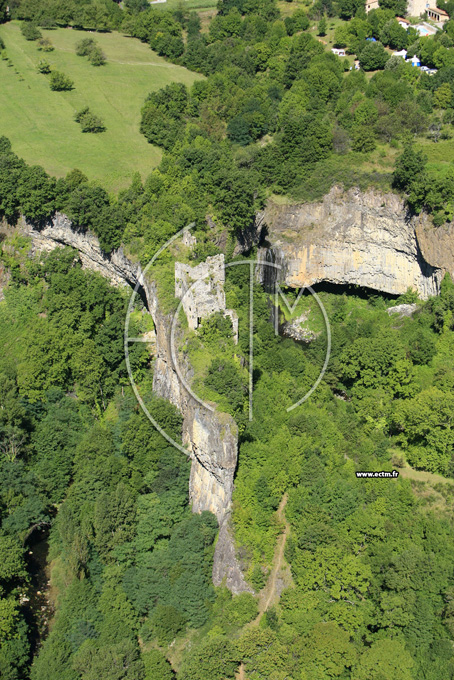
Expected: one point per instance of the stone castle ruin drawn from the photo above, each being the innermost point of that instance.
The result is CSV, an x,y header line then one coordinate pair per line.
x,y
201,290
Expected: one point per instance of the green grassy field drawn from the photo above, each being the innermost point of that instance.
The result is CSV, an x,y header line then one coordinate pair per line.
x,y
440,155
185,4
40,123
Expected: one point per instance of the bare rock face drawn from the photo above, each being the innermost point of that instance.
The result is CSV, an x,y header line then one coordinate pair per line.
x,y
226,567
437,244
402,310
366,239
59,232
295,329
214,449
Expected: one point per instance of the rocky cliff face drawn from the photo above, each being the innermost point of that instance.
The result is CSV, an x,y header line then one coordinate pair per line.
x,y
437,244
59,232
367,239
211,437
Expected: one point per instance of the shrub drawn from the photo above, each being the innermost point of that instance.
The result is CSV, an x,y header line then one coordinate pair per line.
x,y
257,578
43,66
45,45
167,622
30,31
363,139
88,121
88,48
97,56
59,82
84,47
322,26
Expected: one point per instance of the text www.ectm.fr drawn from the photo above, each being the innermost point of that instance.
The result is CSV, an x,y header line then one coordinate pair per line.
x,y
391,475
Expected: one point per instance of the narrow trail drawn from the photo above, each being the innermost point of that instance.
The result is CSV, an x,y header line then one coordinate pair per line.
x,y
270,594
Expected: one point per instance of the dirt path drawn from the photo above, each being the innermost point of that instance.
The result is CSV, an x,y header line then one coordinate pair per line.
x,y
269,595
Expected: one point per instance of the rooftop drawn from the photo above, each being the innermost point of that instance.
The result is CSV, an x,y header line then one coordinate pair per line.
x,y
438,11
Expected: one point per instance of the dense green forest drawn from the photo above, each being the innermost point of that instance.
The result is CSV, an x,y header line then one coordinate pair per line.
x,y
371,561
370,588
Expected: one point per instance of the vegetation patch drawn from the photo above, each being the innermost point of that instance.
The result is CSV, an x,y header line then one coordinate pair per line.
x,y
88,121
89,48
115,92
59,82
30,31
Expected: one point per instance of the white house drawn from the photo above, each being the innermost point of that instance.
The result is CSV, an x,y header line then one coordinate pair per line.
x,y
403,22
414,61
339,51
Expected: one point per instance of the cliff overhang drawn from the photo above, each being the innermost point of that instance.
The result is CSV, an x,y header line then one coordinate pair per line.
x,y
367,239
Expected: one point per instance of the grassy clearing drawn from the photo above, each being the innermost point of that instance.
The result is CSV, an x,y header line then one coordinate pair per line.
x,y
434,491
205,17
423,476
187,4
288,8
40,123
440,155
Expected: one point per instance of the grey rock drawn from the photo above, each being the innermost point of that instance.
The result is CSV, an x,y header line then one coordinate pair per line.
x,y
403,310
362,238
226,567
59,232
294,329
213,438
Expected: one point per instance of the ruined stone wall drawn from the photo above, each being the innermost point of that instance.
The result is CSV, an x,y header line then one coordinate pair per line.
x,y
201,290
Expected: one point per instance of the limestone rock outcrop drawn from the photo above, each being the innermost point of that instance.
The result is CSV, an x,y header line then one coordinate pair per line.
x,y
437,244
362,238
226,566
213,469
402,310
60,232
